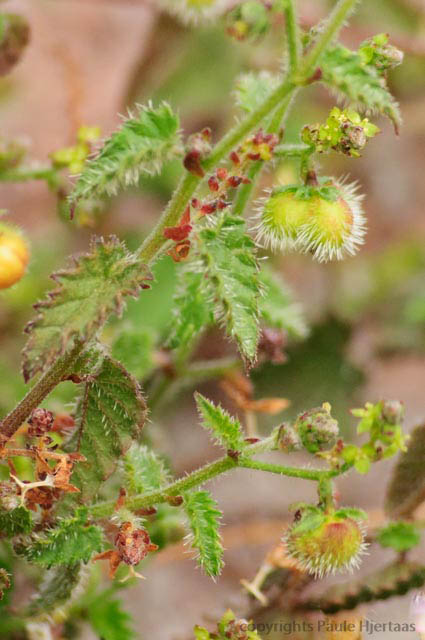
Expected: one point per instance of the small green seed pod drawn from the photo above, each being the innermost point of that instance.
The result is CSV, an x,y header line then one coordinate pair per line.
x,y
317,429
325,220
323,544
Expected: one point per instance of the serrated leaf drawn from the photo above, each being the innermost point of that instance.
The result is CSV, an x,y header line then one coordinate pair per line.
x,y
277,307
204,517
145,141
361,84
70,541
227,256
253,88
109,620
110,415
87,292
15,522
192,311
144,471
351,512
406,490
400,536
57,588
226,429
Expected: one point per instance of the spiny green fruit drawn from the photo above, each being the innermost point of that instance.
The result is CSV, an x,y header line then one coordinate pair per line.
x,y
325,543
317,429
325,220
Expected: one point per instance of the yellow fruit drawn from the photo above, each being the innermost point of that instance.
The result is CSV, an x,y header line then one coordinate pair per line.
x,y
14,256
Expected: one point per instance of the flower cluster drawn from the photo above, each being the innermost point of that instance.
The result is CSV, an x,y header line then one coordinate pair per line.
x,y
344,131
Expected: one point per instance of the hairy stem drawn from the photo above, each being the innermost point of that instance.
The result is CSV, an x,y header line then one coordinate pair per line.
x,y
332,26
209,471
57,372
292,36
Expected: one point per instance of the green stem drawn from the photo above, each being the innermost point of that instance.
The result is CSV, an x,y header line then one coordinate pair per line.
x,y
292,472
291,150
57,372
22,174
292,36
333,25
209,471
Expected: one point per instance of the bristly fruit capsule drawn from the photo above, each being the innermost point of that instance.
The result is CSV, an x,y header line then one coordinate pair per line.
x,y
317,429
14,256
323,544
325,220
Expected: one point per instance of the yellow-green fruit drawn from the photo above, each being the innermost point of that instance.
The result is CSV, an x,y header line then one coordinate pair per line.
x,y
325,544
14,256
325,220
283,216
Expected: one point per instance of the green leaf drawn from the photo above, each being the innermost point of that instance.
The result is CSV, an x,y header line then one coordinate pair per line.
x,y
204,518
226,429
15,522
134,349
109,620
58,587
110,415
406,490
277,307
253,88
145,141
227,256
400,536
351,512
70,541
88,291
144,471
345,71
192,310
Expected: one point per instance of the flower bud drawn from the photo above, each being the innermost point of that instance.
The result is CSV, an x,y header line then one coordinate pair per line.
x,y
14,256
325,220
393,411
378,52
323,544
317,429
289,440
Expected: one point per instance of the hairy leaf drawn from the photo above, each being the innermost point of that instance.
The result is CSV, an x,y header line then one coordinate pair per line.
x,y
110,415
109,620
406,490
144,471
144,142
361,84
277,307
226,429
204,519
93,287
15,522
69,542
59,586
192,311
227,256
253,88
